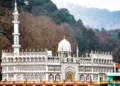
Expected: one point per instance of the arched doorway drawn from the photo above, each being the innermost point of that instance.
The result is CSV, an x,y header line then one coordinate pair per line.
x,y
57,77
88,78
51,77
69,73
101,78
69,76
82,78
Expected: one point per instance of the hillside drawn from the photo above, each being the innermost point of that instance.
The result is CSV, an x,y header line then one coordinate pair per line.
x,y
94,17
43,25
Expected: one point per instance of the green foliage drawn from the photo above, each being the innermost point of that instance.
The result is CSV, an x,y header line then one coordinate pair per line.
x,y
116,55
63,15
119,35
40,7
1,12
90,39
50,7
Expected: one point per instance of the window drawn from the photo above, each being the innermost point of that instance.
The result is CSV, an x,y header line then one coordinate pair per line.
x,y
57,77
18,77
16,59
88,78
82,78
24,59
36,59
51,77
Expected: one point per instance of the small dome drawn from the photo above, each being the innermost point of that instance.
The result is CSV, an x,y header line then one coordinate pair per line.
x,y
64,45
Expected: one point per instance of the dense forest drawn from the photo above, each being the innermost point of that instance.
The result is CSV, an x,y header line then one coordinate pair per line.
x,y
92,16
43,25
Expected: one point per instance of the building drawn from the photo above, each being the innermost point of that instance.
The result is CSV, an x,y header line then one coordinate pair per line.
x,y
35,65
114,78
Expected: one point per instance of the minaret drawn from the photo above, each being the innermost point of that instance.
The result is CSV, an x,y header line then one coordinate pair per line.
x,y
16,33
77,52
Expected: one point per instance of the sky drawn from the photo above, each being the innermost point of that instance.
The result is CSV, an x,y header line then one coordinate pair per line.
x,y
112,5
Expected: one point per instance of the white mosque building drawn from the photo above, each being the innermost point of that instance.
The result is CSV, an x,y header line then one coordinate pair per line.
x,y
42,65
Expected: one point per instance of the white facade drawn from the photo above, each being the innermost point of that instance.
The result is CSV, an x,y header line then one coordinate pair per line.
x,y
35,65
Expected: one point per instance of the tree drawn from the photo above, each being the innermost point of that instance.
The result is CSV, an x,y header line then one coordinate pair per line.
x,y
119,35
116,55
63,16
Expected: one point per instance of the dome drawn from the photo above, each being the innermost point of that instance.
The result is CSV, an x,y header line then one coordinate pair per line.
x,y
64,45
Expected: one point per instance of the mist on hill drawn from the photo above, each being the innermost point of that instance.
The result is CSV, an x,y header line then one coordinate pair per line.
x,y
95,17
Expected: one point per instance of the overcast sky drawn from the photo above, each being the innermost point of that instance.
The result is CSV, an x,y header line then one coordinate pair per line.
x,y
112,5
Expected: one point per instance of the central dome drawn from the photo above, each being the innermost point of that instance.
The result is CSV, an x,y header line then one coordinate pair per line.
x,y
64,45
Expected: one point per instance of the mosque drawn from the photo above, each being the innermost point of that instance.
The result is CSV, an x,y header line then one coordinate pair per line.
x,y
42,65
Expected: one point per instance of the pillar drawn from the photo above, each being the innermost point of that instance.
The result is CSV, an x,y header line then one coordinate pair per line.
x,y
7,77
114,67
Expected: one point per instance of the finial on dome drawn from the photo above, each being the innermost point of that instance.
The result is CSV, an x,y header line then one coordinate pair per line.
x,y
15,5
15,9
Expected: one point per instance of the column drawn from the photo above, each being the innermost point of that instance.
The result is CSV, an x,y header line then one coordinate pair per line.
x,y
7,77
114,65
46,77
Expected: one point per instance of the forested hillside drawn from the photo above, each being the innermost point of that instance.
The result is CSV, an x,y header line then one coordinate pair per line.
x,y
43,25
95,17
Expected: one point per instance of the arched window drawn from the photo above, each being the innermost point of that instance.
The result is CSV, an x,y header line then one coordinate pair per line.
x,y
67,60
4,60
20,59
94,69
36,59
82,78
4,77
9,60
105,62
94,60
88,78
18,77
24,59
57,77
101,78
16,59
40,77
51,77
28,60
43,59
110,62
97,61
102,61
32,59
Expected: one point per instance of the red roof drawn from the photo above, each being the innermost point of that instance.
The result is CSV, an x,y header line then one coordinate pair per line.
x,y
117,65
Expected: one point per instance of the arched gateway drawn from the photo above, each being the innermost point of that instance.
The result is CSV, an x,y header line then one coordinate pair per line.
x,y
69,77
70,74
